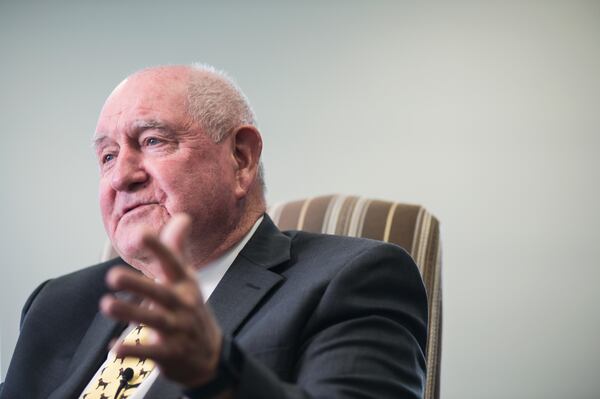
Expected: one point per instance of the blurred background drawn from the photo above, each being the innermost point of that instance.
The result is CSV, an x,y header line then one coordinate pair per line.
x,y
485,112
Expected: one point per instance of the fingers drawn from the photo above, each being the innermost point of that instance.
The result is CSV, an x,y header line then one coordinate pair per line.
x,y
121,278
170,249
175,234
155,318
191,362
170,265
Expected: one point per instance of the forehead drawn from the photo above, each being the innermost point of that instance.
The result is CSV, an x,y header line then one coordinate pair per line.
x,y
146,97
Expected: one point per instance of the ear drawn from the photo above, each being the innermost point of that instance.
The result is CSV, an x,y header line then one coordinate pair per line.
x,y
247,147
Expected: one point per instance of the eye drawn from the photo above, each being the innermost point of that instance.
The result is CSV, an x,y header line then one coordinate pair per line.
x,y
107,158
150,141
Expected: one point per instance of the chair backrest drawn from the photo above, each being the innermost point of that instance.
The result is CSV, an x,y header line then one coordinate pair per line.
x,y
409,226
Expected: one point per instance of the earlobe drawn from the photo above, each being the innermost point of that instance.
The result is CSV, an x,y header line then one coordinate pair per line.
x,y
247,147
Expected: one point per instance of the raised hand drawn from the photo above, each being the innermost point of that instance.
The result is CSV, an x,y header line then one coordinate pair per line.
x,y
186,340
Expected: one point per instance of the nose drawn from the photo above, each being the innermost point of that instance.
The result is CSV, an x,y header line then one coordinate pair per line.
x,y
128,173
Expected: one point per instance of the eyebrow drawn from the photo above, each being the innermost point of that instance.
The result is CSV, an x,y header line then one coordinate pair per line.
x,y
144,124
138,126
97,141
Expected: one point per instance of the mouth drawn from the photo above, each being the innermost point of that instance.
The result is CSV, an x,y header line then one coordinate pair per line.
x,y
135,207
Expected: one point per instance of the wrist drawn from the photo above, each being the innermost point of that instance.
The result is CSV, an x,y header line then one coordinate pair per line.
x,y
227,373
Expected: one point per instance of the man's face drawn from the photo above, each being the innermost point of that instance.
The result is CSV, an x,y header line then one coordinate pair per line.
x,y
154,162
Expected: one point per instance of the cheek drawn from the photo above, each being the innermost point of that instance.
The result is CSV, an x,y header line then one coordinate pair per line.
x,y
106,199
181,195
191,193
193,184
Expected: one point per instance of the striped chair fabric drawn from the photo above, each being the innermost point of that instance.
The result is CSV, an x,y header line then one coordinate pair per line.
x,y
409,226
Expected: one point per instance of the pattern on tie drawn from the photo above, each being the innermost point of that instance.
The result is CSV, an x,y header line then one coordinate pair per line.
x,y
107,384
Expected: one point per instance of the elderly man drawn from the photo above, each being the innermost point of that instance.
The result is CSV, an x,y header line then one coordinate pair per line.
x,y
208,297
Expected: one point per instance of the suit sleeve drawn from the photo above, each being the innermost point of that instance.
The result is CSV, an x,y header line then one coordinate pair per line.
x,y
24,313
365,339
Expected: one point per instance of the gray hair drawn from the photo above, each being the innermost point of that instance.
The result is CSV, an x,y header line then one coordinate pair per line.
x,y
218,105
216,102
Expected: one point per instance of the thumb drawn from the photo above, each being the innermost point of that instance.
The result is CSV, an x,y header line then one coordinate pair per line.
x,y
175,234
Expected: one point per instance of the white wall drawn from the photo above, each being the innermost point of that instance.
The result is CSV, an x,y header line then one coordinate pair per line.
x,y
485,112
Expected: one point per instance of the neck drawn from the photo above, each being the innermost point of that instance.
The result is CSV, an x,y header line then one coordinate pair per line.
x,y
228,240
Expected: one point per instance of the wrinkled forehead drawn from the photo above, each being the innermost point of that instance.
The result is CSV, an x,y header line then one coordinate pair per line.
x,y
145,96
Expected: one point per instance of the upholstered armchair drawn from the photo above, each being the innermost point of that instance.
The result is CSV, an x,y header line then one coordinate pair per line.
x,y
409,226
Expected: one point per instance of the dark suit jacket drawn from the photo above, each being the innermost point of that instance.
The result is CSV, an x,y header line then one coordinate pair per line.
x,y
316,316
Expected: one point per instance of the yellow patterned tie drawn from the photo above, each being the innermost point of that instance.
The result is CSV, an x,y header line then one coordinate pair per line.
x,y
112,376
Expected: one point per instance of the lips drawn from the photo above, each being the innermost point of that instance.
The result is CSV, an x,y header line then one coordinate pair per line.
x,y
133,207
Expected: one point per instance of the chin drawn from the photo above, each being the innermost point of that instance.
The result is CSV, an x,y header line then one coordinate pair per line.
x,y
128,233
128,252
136,258
127,241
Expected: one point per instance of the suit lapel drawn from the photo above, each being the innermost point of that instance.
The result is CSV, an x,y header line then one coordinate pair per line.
x,y
240,291
249,279
243,286
90,353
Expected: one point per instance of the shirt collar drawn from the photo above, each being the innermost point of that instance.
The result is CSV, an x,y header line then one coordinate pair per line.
x,y
211,274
